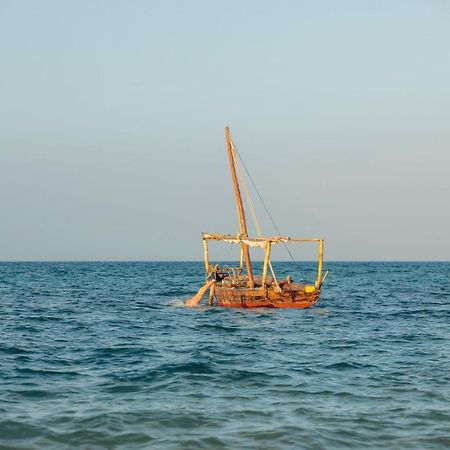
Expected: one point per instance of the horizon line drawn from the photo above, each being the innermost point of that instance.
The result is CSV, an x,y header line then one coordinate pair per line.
x,y
224,260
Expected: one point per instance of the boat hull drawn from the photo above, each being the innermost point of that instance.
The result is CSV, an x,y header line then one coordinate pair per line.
x,y
230,297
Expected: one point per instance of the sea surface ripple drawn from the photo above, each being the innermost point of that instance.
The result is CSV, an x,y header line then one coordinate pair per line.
x,y
104,355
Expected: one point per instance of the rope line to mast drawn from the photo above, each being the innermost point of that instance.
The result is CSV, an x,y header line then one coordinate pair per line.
x,y
248,198
252,210
260,198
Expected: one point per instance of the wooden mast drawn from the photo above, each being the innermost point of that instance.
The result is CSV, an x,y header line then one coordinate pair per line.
x,y
240,208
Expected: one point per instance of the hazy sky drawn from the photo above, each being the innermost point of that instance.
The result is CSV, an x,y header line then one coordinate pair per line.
x,y
112,115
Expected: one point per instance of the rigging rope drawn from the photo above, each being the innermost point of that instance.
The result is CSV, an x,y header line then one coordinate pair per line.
x,y
258,229
252,210
248,198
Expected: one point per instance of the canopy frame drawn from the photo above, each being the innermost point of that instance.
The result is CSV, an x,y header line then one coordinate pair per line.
x,y
266,244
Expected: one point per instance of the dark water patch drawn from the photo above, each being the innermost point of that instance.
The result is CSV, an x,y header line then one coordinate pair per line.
x,y
123,388
14,350
35,394
247,376
13,431
45,372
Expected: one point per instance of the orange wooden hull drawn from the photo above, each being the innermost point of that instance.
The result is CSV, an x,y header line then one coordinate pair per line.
x,y
293,297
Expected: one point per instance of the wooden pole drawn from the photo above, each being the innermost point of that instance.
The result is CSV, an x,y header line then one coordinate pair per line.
x,y
240,208
212,291
319,269
197,298
266,263
205,254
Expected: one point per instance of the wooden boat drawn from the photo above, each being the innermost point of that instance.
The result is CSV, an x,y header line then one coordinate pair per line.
x,y
237,287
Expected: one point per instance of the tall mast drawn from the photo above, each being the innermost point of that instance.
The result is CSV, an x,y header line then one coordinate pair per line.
x,y
240,208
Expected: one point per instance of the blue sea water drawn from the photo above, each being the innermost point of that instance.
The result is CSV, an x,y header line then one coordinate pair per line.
x,y
104,355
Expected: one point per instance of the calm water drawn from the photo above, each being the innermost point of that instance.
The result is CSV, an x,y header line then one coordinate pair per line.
x,y
103,355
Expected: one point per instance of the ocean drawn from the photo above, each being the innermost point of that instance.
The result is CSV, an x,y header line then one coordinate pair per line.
x,y
105,356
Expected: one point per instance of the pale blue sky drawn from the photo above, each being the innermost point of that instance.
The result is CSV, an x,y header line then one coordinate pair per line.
x,y
112,117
